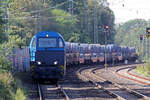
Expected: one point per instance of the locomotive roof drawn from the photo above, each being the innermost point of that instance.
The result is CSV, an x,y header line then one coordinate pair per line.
x,y
49,33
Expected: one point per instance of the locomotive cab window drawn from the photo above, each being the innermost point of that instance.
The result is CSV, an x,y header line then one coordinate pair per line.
x,y
47,43
61,45
34,43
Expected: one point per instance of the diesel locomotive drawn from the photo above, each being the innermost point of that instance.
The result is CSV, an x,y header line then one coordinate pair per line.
x,y
49,54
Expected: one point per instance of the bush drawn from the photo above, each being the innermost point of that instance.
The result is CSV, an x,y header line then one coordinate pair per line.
x,y
10,87
20,95
5,64
6,80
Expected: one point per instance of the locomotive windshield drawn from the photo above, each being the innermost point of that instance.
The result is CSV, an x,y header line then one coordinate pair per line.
x,y
47,43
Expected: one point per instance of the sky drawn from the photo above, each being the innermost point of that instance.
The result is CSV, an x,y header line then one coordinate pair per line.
x,y
126,10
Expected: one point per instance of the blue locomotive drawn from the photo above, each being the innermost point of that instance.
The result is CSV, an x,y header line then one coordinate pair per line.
x,y
47,55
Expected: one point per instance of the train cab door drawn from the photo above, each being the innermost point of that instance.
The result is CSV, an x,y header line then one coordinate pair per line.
x,y
32,50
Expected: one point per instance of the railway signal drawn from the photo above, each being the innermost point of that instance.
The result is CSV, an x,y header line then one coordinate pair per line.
x,y
106,27
141,37
147,32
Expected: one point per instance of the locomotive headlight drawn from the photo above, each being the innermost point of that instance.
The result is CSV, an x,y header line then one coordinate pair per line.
x,y
39,63
55,62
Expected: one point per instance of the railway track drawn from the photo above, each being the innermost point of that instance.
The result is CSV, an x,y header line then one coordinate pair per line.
x,y
51,92
123,87
74,87
78,89
125,72
111,75
112,88
83,87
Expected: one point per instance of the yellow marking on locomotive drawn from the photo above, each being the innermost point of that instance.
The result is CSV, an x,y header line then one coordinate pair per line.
x,y
61,73
62,67
62,70
32,67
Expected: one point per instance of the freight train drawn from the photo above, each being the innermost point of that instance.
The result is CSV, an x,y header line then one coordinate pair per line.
x,y
50,54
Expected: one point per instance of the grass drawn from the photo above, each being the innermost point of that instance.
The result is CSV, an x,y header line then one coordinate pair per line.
x,y
144,69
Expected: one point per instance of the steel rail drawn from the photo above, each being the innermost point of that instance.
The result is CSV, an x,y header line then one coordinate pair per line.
x,y
122,87
97,85
40,92
63,91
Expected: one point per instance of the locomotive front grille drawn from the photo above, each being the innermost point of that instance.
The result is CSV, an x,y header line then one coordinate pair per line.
x,y
49,57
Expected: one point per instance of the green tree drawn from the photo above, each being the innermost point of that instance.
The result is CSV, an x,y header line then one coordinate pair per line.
x,y
106,17
3,36
84,10
27,17
128,35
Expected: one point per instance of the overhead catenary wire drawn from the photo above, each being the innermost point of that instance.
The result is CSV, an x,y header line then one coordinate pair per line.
x,y
3,8
30,17
36,11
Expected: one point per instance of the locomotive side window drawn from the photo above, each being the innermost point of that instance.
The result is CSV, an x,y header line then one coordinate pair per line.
x,y
47,43
60,43
34,43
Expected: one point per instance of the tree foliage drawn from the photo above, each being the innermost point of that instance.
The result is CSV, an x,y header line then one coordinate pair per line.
x,y
27,17
3,36
107,18
128,34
